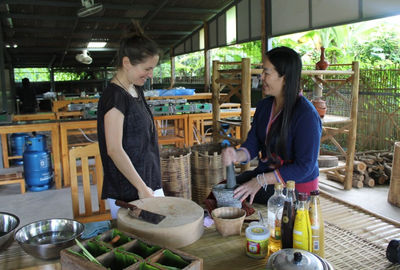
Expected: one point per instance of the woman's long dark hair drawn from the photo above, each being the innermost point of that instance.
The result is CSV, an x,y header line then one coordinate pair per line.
x,y
136,46
287,63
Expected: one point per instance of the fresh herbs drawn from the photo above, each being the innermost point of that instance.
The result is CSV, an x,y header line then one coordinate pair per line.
x,y
86,253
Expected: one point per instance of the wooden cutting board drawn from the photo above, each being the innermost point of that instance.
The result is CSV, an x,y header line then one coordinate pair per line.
x,y
182,226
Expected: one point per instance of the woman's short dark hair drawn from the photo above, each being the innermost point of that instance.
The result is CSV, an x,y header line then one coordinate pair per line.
x,y
136,46
287,63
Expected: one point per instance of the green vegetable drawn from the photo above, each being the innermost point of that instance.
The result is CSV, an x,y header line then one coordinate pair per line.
x,y
77,253
123,238
86,253
96,248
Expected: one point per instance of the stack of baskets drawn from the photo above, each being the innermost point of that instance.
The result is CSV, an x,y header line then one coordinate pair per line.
x,y
176,172
207,170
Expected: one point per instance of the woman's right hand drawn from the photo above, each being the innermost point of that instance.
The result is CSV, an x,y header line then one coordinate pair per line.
x,y
229,156
146,193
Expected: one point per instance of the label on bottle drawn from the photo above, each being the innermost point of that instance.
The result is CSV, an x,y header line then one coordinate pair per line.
x,y
271,223
315,244
300,232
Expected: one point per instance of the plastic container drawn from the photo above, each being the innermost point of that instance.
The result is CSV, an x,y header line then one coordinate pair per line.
x,y
175,92
257,241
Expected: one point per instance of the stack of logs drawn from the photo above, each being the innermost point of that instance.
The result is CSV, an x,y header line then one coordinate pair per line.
x,y
370,168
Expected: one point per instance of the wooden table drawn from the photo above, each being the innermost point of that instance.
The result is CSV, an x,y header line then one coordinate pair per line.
x,y
31,126
179,126
197,96
67,127
58,105
33,116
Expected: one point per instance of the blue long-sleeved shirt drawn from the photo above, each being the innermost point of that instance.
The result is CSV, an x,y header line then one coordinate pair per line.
x,y
302,144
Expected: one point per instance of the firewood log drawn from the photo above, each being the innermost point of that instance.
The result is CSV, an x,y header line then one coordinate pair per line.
x,y
387,169
368,161
357,184
359,166
368,181
335,177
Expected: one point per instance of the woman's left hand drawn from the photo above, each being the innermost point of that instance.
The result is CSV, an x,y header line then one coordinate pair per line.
x,y
247,189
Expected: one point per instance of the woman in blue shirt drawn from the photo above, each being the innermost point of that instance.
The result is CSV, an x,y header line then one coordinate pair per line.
x,y
284,135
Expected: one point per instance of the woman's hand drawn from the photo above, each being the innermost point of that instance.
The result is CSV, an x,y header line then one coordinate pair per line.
x,y
229,156
146,193
247,189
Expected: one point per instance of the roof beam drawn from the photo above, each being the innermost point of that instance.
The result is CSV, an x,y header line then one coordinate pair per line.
x,y
76,4
147,19
68,30
95,19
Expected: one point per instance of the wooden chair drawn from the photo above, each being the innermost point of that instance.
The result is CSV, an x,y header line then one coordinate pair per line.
x,y
84,153
13,175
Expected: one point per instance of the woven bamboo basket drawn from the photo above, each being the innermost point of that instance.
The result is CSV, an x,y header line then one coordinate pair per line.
x,y
394,188
176,172
207,170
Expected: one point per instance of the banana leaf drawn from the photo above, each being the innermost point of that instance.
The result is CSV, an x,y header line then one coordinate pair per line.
x,y
122,260
173,260
145,250
145,266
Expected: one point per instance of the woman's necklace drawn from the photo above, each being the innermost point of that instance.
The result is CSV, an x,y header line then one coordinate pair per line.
x,y
131,90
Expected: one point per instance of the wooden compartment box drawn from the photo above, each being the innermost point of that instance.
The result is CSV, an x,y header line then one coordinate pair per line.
x,y
142,254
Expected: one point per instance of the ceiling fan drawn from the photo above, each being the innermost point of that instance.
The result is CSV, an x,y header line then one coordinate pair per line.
x,y
89,8
84,58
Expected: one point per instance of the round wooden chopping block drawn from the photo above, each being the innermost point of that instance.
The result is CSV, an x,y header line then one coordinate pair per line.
x,y
182,226
327,161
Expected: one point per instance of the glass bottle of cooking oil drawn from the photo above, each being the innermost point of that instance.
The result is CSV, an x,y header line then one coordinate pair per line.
x,y
317,224
288,216
275,208
302,228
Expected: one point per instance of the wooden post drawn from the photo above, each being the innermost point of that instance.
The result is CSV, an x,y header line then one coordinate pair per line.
x,y
206,59
353,130
246,98
246,103
172,69
215,100
263,31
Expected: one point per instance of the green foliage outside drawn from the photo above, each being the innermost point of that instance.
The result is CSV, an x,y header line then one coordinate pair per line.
x,y
374,44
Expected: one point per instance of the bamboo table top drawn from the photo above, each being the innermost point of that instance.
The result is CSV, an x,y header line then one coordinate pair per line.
x,y
358,246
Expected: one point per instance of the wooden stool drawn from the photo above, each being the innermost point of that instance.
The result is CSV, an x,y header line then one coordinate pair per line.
x,y
13,175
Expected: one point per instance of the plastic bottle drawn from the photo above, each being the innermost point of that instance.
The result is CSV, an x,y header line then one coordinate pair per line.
x,y
317,224
302,228
275,208
288,215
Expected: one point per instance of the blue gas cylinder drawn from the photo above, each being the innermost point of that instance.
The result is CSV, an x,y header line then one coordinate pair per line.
x,y
37,164
18,146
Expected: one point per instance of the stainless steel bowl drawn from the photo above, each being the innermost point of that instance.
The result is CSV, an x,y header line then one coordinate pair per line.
x,y
45,239
8,224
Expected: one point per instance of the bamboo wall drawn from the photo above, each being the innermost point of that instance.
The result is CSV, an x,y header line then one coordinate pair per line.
x,y
378,123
